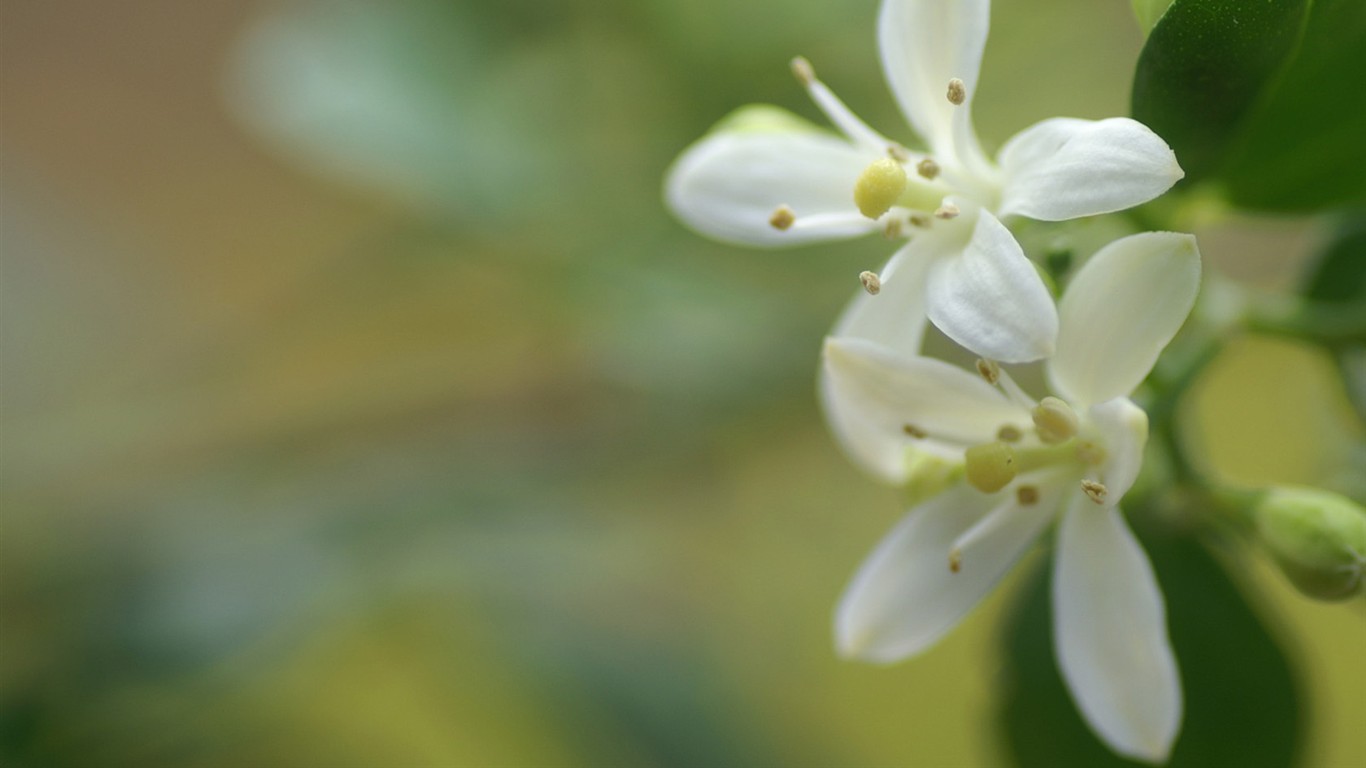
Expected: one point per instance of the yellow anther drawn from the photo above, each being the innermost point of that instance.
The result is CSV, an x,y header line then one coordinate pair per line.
x,y
879,186
927,168
871,283
958,92
990,467
1054,420
1094,491
919,220
898,153
1026,495
803,71
782,218
1009,433
989,370
947,211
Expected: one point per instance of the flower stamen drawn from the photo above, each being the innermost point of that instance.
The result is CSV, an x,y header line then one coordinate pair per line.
x,y
1054,420
1094,491
1026,495
989,370
912,430
927,168
947,211
1009,433
783,218
958,92
858,131
871,282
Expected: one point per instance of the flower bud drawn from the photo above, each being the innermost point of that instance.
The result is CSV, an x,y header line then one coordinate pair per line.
x,y
1316,537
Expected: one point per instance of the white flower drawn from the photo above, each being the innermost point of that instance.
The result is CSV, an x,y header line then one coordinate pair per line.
x,y
1024,464
775,181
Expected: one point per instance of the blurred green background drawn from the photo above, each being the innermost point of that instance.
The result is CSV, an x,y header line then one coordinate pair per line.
x,y
363,406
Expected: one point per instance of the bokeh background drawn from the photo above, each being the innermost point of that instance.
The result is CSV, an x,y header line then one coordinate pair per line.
x,y
362,405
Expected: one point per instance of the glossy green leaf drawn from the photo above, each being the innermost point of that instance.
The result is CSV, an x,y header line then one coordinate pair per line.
x,y
1203,70
1303,148
1240,695
1262,98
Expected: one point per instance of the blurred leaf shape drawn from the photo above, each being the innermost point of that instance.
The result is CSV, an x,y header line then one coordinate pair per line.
x,y
1261,98
1338,272
1241,697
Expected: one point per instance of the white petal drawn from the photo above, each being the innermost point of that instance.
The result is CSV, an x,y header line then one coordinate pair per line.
x,y
1110,634
1064,168
924,44
729,184
1119,312
990,299
879,393
894,318
905,597
1123,429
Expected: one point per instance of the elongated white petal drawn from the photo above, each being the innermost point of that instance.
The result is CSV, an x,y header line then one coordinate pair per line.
x,y
1123,428
1063,168
892,395
924,44
905,596
1120,311
990,299
729,184
1110,634
894,318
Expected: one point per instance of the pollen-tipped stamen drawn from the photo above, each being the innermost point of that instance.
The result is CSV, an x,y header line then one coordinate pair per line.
x,y
871,282
1055,421
858,131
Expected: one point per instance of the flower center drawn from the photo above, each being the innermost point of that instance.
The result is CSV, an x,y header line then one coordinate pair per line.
x,y
885,183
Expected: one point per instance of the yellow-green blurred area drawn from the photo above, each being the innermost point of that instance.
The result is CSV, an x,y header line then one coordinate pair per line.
x,y
362,405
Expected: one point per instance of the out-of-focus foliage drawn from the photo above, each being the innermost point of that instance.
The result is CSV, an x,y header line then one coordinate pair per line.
x,y
362,405
1233,675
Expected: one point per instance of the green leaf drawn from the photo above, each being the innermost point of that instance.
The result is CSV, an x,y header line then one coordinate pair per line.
x,y
1262,98
1338,274
1303,147
1240,696
1204,68
1149,11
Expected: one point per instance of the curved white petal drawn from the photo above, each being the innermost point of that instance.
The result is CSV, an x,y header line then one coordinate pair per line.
x,y
905,597
990,299
924,44
1119,312
729,184
1123,428
1063,168
877,394
1110,634
894,318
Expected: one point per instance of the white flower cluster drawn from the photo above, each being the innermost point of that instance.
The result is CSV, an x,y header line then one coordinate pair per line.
x,y
1009,465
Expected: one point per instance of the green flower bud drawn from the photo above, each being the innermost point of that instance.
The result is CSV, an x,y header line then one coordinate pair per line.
x,y
1318,539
